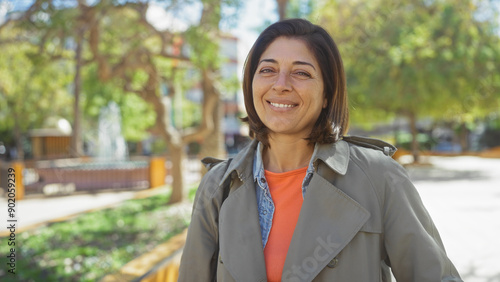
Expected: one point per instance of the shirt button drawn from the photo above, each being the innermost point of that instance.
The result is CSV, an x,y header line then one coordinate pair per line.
x,y
263,180
264,212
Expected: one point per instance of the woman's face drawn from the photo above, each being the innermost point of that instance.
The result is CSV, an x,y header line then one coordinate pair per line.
x,y
288,88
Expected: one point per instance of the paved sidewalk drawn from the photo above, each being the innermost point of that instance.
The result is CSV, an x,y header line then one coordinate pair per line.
x,y
462,195
38,210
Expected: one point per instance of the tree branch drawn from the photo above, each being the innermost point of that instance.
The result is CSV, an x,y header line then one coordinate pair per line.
x,y
26,15
211,98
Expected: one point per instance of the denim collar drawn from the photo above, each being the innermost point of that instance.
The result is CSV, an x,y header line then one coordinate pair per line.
x,y
258,168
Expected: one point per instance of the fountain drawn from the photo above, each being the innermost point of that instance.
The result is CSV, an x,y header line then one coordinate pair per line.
x,y
111,144
109,169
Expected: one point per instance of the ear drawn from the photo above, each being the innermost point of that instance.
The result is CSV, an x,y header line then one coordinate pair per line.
x,y
325,103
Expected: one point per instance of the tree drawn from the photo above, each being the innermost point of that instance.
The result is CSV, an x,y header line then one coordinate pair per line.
x,y
130,52
31,87
282,7
208,62
142,70
416,58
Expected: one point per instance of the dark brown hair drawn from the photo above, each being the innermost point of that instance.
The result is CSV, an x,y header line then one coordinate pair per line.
x,y
333,121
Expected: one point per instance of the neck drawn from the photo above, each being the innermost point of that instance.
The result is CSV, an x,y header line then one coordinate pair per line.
x,y
286,156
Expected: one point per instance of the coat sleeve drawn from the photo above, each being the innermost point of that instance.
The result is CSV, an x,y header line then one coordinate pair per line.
x,y
413,245
199,257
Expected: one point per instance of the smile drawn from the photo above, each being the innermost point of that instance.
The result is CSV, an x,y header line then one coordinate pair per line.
x,y
281,105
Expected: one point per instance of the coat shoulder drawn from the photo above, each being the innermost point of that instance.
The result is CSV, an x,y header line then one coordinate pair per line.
x,y
374,157
209,187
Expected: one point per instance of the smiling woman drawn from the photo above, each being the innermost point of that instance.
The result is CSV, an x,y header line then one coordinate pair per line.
x,y
303,202
287,90
315,59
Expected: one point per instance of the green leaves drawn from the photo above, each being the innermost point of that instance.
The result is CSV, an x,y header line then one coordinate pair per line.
x,y
97,243
29,81
425,58
136,115
204,46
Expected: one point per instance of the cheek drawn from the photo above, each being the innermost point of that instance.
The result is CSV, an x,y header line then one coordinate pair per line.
x,y
257,93
256,86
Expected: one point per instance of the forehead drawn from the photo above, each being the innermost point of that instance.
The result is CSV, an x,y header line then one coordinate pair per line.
x,y
284,49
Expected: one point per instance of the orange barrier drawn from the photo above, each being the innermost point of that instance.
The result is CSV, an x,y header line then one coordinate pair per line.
x,y
5,180
167,273
161,264
491,153
399,153
18,167
157,172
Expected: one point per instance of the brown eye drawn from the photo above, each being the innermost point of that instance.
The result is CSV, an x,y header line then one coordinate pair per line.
x,y
265,70
303,73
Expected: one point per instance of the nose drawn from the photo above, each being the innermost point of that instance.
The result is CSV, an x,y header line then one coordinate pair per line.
x,y
282,83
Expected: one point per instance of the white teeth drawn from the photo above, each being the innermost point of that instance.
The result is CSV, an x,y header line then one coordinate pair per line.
x,y
281,105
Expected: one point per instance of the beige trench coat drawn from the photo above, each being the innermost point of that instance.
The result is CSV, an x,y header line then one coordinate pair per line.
x,y
361,216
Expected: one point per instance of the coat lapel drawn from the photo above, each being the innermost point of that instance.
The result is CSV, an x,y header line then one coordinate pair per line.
x,y
328,221
241,248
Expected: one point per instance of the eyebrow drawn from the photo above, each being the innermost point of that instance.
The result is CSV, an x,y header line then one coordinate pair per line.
x,y
294,63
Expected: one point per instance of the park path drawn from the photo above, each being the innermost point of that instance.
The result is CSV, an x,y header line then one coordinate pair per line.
x,y
462,195
37,210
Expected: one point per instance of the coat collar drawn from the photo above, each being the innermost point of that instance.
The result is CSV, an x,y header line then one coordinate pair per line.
x,y
328,220
335,156
242,163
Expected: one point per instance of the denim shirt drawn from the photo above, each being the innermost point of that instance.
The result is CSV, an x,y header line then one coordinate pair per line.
x,y
265,204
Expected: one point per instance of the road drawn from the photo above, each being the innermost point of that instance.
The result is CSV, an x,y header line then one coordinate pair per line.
x,y
462,195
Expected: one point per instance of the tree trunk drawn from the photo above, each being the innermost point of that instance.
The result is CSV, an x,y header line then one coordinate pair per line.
x,y
282,8
163,108
178,157
396,133
464,137
213,145
76,142
19,141
414,141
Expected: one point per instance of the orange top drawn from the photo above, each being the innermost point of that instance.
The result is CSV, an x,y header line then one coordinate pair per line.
x,y
286,191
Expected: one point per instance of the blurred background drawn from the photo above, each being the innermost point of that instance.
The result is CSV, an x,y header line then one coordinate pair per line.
x,y
107,106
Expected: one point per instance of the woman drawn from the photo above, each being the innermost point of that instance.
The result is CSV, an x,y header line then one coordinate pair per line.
x,y
302,202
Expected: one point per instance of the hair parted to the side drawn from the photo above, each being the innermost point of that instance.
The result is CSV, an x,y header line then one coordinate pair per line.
x,y
333,121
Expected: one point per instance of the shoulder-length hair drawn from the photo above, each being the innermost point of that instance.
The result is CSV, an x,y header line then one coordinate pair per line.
x,y
333,121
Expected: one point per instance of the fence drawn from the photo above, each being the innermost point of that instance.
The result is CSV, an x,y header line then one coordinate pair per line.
x,y
70,175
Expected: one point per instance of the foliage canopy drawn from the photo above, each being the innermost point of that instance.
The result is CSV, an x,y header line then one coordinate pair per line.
x,y
422,58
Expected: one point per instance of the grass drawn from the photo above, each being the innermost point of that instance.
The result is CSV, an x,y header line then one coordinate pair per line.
x,y
94,244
